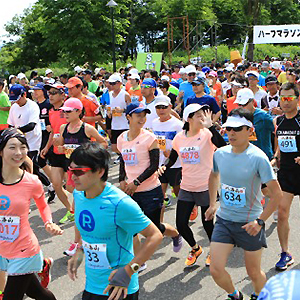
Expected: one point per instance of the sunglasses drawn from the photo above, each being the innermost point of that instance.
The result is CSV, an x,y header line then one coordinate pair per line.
x,y
53,93
69,111
113,83
287,98
161,107
79,171
235,129
145,86
192,74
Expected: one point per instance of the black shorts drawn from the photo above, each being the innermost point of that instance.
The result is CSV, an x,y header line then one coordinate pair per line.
x,y
228,232
43,161
89,296
115,134
59,161
289,181
108,123
171,176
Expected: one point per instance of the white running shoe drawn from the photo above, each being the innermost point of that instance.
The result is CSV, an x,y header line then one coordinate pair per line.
x,y
72,250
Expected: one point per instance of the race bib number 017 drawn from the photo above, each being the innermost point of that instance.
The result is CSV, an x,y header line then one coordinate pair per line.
x,y
95,256
287,143
233,196
190,155
9,228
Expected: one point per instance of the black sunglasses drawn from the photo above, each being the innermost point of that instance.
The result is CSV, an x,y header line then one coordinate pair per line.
x,y
235,129
161,107
192,74
113,83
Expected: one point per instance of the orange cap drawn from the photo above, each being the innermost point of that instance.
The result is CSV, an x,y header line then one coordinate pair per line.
x,y
73,81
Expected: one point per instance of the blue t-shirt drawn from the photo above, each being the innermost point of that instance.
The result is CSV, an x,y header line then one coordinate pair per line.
x,y
261,81
111,219
264,126
105,100
241,177
206,99
187,88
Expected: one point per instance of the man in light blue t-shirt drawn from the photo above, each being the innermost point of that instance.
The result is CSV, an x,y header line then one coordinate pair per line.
x,y
241,168
107,220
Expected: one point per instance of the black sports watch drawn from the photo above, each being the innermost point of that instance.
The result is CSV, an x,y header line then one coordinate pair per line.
x,y
136,182
260,222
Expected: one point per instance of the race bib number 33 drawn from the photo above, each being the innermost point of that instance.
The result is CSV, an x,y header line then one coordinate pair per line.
x,y
233,196
95,256
9,228
190,155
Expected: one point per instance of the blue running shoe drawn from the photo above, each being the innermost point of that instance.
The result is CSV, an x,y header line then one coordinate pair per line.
x,y
285,261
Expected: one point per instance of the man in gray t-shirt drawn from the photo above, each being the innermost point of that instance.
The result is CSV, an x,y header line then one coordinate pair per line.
x,y
241,168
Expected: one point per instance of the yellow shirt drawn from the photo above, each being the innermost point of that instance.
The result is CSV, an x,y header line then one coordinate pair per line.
x,y
282,78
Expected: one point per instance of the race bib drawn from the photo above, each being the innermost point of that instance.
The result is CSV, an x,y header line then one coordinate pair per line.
x,y
9,228
287,143
135,98
43,124
95,256
162,143
233,196
190,155
129,156
69,148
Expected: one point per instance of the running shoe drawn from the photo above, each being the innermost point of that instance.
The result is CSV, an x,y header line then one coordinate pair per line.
x,y
177,243
192,257
167,202
207,261
69,217
285,261
72,249
51,196
142,268
241,297
1,296
253,297
194,213
45,275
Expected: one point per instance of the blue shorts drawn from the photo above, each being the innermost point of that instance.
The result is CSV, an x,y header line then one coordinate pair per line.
x,y
22,266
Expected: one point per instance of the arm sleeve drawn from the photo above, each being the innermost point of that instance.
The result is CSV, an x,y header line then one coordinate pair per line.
x,y
170,161
29,127
216,138
39,198
154,164
122,172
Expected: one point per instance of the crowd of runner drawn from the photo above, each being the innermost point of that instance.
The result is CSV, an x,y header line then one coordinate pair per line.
x,y
225,138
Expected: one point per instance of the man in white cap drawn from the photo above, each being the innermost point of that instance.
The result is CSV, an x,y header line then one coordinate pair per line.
x,y
135,89
49,73
277,71
182,74
78,70
241,217
259,93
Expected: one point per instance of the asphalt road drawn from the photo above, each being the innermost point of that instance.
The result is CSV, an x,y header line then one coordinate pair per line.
x,y
166,276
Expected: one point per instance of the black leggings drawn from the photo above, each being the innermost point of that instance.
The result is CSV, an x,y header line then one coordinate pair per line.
x,y
183,212
17,286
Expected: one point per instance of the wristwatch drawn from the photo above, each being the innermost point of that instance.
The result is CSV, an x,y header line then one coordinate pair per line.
x,y
136,182
135,267
260,222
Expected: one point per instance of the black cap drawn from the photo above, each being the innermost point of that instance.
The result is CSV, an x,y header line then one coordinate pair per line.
x,y
87,72
271,79
199,80
241,68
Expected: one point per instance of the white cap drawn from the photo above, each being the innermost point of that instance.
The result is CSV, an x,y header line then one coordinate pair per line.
x,y
239,64
252,73
182,71
135,76
190,69
21,76
48,71
243,96
276,65
165,77
265,64
11,76
77,69
190,109
236,83
115,78
229,69
97,71
201,74
129,65
49,80
133,71
231,65
237,121
162,100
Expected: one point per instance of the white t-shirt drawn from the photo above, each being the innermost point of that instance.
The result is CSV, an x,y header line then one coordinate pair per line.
x,y
20,116
258,96
119,121
226,86
152,116
165,133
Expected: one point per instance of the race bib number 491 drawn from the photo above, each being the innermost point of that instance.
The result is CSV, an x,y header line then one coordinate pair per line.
x,y
9,228
287,143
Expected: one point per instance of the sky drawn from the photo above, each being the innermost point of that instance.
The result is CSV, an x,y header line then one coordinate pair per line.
x,y
9,8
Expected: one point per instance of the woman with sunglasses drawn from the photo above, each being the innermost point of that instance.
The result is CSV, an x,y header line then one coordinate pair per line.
x,y
139,162
195,147
20,253
72,135
241,168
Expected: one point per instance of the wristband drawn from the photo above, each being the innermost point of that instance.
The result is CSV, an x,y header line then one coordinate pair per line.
x,y
48,222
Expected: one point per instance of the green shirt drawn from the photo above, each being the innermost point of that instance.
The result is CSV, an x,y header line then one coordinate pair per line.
x,y
92,86
4,102
174,90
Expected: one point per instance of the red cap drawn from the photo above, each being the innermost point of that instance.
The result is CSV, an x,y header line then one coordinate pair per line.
x,y
71,104
73,81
